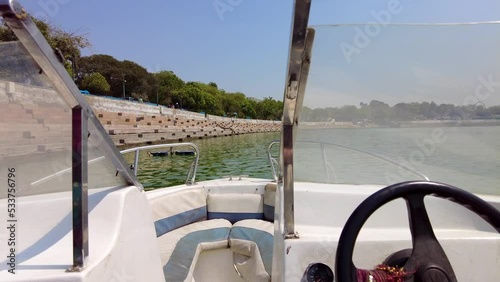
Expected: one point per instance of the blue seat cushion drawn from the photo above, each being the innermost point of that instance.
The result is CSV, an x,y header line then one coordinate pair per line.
x,y
180,248
170,223
177,209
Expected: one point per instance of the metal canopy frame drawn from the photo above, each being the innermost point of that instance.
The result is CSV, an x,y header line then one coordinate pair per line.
x,y
33,41
85,125
298,69
80,189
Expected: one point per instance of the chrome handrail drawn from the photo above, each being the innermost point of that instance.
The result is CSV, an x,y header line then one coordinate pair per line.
x,y
193,168
274,163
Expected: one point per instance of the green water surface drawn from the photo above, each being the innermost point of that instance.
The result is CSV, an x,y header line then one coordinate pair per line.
x,y
219,157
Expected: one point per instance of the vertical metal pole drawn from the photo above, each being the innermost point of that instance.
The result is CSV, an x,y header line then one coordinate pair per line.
x,y
80,189
288,181
124,86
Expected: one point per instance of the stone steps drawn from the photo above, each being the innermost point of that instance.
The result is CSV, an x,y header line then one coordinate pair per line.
x,y
178,135
37,128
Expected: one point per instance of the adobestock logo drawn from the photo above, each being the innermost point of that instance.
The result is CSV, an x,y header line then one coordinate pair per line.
x,y
409,167
364,36
223,6
49,8
483,91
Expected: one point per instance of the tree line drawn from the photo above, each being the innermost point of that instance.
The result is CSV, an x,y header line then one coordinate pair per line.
x,y
381,113
105,75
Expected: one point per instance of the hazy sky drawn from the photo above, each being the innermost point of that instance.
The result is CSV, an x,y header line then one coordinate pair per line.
x,y
242,44
445,64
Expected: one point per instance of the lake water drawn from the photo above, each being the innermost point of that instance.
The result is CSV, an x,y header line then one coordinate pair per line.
x,y
219,157
467,157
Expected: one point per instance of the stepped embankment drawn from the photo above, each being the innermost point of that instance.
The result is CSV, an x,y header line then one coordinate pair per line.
x,y
143,123
35,119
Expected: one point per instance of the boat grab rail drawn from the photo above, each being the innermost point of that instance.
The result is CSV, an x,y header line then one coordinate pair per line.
x,y
193,167
274,163
328,165
190,179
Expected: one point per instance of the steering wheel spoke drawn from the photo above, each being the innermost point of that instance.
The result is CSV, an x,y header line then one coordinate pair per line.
x,y
427,255
420,225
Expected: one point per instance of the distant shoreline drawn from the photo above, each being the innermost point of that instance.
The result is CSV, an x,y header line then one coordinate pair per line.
x,y
403,124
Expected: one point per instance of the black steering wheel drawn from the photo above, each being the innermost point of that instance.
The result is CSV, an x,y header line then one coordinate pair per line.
x,y
427,260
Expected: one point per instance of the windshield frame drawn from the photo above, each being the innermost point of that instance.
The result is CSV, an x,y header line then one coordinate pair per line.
x,y
299,59
33,41
85,125
294,93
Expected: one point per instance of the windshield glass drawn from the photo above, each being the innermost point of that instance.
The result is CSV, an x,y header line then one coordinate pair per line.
x,y
385,104
35,131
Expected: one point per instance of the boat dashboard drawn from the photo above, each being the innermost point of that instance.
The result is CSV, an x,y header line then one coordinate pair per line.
x,y
322,212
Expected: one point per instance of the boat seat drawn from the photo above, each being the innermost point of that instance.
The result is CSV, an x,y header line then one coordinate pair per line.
x,y
190,206
235,207
251,241
189,222
269,201
180,248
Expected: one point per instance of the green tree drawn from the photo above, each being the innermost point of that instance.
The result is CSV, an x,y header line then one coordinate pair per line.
x,y
248,108
402,111
495,110
106,65
381,112
96,83
190,97
137,80
211,106
167,84
269,109
232,104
